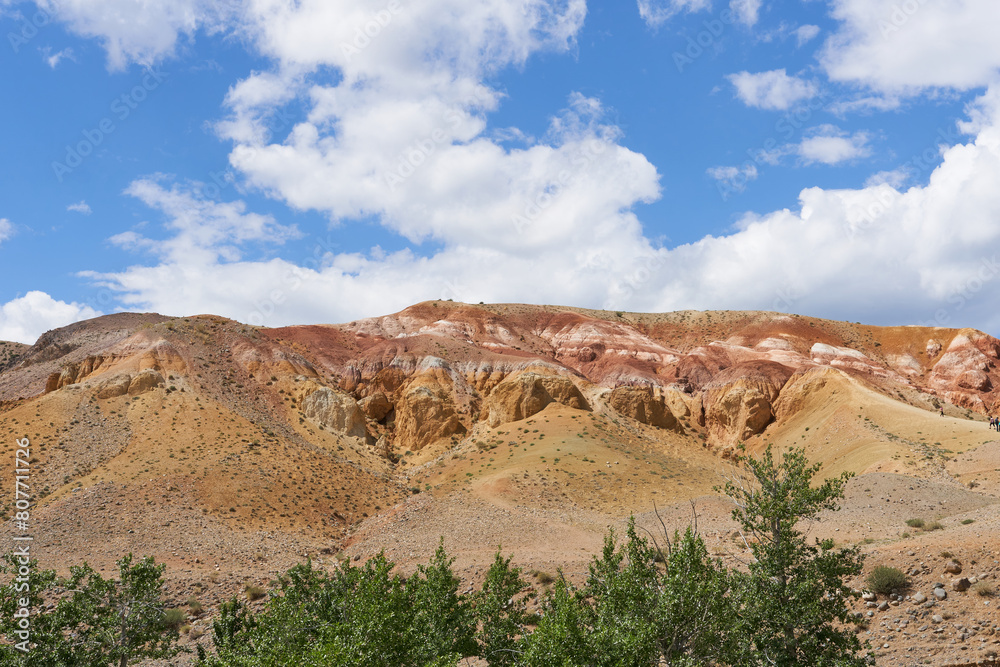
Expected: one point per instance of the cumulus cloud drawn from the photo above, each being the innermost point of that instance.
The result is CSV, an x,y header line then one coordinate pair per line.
x,y
6,229
805,33
203,231
139,30
872,253
733,179
771,90
399,134
80,207
746,11
830,145
909,47
24,319
657,12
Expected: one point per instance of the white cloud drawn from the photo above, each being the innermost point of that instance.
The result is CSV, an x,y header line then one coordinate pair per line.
x,y
873,254
400,135
80,207
771,90
657,12
203,231
53,59
831,145
24,319
733,179
908,47
746,11
805,33
6,229
895,178
141,31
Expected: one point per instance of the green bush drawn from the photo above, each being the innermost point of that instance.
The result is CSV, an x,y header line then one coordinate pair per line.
x,y
884,579
173,618
255,592
915,523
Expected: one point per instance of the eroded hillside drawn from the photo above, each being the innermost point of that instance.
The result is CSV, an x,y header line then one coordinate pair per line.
x,y
230,451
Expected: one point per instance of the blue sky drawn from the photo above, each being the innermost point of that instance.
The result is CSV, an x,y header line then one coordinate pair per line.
x,y
285,163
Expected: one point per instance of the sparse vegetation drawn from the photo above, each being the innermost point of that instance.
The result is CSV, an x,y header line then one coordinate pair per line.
x,y
254,592
884,580
984,589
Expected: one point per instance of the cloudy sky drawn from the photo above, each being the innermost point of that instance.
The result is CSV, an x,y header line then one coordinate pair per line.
x,y
280,161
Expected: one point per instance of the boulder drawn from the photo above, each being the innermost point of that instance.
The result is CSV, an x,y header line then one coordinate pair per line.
x,y
526,394
739,401
425,412
953,567
960,585
335,410
145,381
375,406
116,386
643,404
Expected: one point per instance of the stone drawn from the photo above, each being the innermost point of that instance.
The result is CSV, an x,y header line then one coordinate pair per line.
x,y
376,406
643,404
940,593
145,381
953,567
960,585
918,598
521,396
336,411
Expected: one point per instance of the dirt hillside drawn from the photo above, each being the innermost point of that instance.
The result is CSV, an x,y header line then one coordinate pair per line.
x,y
230,452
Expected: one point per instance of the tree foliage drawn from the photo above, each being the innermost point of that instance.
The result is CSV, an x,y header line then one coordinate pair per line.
x,y
793,601
90,620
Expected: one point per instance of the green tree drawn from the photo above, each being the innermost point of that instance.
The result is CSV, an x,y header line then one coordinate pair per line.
x,y
97,621
793,600
653,602
351,617
113,622
47,647
501,612
443,624
560,639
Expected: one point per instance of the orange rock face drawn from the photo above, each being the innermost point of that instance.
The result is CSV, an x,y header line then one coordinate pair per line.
x,y
437,369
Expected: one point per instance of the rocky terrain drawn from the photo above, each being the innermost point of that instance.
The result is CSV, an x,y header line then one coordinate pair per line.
x,y
229,452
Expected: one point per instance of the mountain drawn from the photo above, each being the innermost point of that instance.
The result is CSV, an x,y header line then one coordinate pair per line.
x,y
230,451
